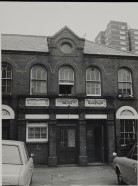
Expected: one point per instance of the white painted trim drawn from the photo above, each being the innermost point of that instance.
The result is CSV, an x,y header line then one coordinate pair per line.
x,y
95,116
118,113
37,116
10,110
36,125
67,116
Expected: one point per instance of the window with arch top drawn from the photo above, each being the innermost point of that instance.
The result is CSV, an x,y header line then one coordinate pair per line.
x,y
6,78
66,80
38,84
93,82
124,82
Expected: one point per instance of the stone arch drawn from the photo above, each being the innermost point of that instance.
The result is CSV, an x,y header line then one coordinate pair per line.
x,y
126,112
7,112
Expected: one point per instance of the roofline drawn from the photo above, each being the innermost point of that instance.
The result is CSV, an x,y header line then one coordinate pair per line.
x,y
66,27
23,35
129,52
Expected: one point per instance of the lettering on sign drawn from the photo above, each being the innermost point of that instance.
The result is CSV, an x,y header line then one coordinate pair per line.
x,y
95,102
37,102
66,102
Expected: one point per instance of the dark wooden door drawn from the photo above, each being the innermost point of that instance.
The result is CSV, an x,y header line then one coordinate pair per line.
x,y
94,139
90,144
67,145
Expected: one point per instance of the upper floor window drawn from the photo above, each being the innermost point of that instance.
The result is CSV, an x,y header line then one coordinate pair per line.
x,y
124,82
66,80
6,78
93,82
38,84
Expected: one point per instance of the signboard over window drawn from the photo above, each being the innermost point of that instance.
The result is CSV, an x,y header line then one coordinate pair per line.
x,y
66,102
37,102
95,102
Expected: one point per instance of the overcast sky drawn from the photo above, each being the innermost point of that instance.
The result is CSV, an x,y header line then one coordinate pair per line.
x,y
46,18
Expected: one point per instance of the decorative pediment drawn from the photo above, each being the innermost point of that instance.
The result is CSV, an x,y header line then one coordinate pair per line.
x,y
7,112
126,112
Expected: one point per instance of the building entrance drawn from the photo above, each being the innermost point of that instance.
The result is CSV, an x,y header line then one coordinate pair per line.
x,y
95,143
67,152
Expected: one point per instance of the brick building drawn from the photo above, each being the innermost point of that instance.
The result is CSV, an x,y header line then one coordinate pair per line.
x,y
118,35
72,101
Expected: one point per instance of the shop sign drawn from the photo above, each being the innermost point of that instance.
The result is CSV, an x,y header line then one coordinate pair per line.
x,y
66,102
95,102
37,102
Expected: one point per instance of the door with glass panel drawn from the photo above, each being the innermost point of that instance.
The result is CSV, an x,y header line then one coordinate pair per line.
x,y
66,145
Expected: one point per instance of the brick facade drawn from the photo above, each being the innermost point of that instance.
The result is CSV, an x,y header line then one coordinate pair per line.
x,y
108,65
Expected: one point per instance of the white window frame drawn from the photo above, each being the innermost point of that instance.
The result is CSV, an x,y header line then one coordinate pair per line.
x,y
66,83
41,80
122,32
125,133
130,82
36,125
122,42
94,81
6,78
123,37
123,48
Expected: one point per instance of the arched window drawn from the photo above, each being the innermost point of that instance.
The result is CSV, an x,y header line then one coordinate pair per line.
x,y
66,80
127,116
93,82
124,82
6,78
38,83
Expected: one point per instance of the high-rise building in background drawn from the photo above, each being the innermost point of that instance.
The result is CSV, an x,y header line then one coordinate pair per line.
x,y
118,35
100,39
133,36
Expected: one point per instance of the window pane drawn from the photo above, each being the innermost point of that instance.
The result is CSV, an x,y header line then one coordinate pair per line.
x,y
71,137
124,88
6,78
43,132
31,133
66,75
39,77
37,133
127,129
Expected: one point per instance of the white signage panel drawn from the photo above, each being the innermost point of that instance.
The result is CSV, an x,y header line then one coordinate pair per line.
x,y
66,102
95,102
37,102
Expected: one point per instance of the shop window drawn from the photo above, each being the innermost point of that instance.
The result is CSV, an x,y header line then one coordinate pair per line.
x,y
127,132
37,132
38,83
66,80
124,83
93,82
6,78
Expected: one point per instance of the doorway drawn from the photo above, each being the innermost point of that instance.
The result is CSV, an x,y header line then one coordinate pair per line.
x,y
67,152
95,145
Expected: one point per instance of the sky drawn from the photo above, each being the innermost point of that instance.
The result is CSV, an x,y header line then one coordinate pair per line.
x,y
86,19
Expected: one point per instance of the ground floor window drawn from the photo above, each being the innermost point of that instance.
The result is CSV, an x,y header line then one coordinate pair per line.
x,y
128,132
37,132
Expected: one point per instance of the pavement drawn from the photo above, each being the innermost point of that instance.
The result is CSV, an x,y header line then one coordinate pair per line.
x,y
74,176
